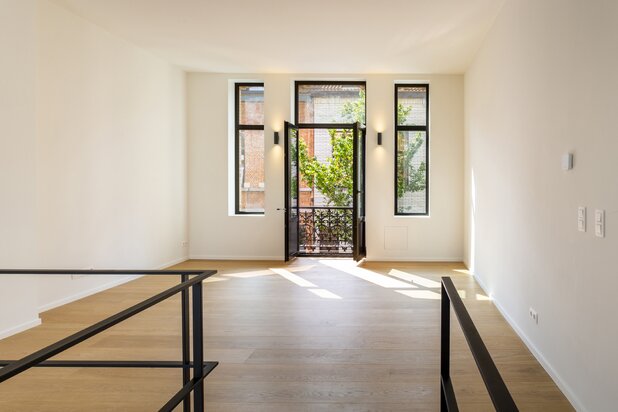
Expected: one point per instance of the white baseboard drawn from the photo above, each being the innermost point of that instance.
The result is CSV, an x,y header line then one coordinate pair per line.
x,y
564,387
370,259
19,328
411,259
172,263
86,292
100,288
227,257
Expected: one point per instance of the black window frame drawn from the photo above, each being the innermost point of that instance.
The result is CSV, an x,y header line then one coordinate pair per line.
x,y
404,128
237,129
299,83
327,126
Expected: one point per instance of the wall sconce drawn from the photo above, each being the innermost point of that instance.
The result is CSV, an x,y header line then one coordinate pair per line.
x,y
276,137
380,138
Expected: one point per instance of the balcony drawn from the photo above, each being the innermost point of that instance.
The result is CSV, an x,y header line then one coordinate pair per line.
x,y
325,231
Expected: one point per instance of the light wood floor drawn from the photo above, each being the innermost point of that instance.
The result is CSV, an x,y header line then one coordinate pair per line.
x,y
318,335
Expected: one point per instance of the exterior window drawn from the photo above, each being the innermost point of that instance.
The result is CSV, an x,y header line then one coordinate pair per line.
x,y
249,136
411,149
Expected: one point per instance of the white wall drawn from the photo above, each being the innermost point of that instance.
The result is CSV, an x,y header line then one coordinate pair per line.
x,y
101,182
111,154
17,165
215,234
543,84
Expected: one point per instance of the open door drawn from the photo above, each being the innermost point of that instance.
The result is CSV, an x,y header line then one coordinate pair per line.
x,y
291,191
358,225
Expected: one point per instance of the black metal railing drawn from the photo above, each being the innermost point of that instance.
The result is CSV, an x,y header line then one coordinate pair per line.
x,y
325,230
190,384
498,392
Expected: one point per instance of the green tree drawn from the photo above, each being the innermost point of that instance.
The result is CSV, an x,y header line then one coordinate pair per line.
x,y
409,178
332,178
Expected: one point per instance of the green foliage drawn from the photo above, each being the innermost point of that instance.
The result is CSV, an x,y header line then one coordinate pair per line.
x,y
353,112
409,178
334,177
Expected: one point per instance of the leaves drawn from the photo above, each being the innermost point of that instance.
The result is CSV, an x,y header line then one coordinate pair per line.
x,y
333,178
409,178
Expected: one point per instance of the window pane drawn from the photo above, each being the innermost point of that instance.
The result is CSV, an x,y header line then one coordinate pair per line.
x,y
411,172
251,105
251,170
326,172
331,103
411,106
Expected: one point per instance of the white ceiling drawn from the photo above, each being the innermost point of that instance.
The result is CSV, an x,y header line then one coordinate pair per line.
x,y
292,36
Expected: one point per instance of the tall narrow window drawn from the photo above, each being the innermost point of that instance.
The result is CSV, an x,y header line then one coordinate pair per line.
x,y
249,120
411,149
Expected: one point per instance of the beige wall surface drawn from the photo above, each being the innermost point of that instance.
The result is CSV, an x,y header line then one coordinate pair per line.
x,y
94,171
544,84
111,154
17,164
217,233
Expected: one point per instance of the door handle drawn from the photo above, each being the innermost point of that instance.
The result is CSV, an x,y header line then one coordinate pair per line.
x,y
281,208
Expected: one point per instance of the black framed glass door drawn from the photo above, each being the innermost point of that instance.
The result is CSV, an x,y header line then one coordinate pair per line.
x,y
291,191
359,249
326,113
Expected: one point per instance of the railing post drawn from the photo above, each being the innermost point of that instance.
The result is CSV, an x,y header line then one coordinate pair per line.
x,y
198,347
186,342
445,346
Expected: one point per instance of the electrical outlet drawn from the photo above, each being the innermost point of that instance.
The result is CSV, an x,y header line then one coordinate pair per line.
x,y
533,315
184,243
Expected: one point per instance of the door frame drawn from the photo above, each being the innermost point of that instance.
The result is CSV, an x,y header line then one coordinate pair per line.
x,y
288,253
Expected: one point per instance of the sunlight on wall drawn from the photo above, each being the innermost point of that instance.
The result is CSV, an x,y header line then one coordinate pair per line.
x,y
472,240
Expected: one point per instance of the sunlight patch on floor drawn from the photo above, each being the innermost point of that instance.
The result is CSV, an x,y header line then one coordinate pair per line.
x,y
286,274
464,271
420,294
311,287
422,281
367,275
250,274
323,293
214,279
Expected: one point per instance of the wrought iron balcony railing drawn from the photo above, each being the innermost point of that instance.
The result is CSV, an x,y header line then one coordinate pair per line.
x,y
325,230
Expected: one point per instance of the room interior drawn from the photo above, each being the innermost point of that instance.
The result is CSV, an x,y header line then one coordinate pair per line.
x,y
118,153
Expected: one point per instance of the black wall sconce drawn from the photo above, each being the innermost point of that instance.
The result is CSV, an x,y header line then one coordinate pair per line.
x,y
276,137
380,138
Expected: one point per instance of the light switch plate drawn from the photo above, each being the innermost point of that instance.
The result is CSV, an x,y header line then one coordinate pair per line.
x,y
581,218
567,161
599,223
